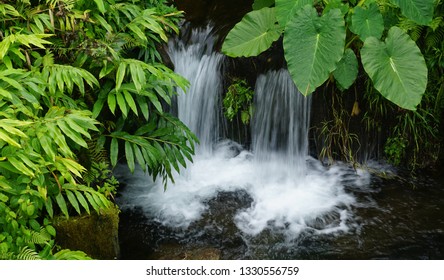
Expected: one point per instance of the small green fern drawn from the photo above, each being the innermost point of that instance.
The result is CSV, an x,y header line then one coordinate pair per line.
x,y
412,28
71,255
27,254
38,237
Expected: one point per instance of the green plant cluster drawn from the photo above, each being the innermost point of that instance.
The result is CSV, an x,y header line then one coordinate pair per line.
x,y
370,48
72,73
239,98
324,39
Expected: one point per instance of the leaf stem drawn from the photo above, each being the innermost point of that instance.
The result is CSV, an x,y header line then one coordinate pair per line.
x,y
361,3
351,41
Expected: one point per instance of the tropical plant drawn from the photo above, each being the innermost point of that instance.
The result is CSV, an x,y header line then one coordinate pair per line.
x,y
72,73
239,99
337,139
323,39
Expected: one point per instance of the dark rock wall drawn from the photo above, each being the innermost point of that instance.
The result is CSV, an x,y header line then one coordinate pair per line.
x,y
223,13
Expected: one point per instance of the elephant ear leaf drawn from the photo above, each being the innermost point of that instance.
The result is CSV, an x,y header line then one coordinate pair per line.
x,y
286,9
347,69
420,11
313,46
396,67
367,22
253,34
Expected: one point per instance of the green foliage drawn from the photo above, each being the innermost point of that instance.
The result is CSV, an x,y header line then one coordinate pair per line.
x,y
318,33
420,11
253,35
157,151
239,98
70,255
313,46
61,62
347,69
397,68
259,4
413,139
395,149
337,140
286,9
367,22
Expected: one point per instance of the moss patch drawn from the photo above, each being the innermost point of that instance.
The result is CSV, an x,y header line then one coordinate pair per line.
x,y
95,234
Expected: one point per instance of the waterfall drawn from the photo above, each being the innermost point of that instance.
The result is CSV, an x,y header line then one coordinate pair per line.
x,y
199,107
281,122
290,191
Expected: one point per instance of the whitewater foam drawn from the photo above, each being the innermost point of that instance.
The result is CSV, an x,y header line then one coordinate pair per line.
x,y
291,192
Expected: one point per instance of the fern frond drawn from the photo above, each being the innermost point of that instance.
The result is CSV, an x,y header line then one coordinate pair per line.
x,y
385,6
434,38
436,23
412,28
71,255
27,254
41,237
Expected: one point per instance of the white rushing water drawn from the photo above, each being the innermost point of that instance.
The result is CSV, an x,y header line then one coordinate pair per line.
x,y
198,108
291,192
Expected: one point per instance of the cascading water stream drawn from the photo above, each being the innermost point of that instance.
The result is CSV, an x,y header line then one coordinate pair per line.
x,y
198,108
274,201
281,122
290,192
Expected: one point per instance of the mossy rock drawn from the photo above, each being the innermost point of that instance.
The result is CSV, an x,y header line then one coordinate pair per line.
x,y
95,234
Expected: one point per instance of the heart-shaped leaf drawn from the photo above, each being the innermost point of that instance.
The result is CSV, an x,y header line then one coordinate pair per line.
x,y
347,69
367,22
286,9
253,34
396,67
312,46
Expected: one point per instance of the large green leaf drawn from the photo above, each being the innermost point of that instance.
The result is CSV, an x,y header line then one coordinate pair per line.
x,y
420,11
253,34
367,22
286,9
313,45
347,69
396,67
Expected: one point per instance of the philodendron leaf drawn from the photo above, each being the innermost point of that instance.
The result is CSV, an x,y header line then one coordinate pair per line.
x,y
313,46
420,11
367,22
253,34
396,67
347,69
286,9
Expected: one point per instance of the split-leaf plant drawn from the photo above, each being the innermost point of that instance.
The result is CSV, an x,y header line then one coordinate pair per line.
x,y
78,77
324,39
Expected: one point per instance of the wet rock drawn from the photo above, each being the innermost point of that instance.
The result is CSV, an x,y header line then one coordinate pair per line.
x,y
223,13
95,234
178,252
